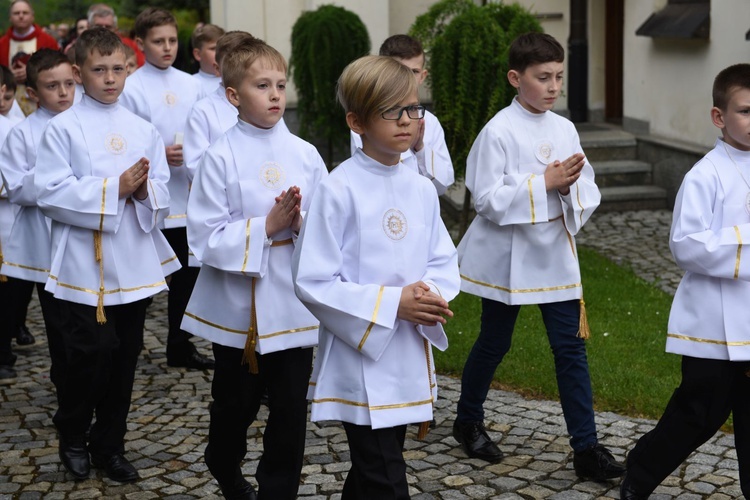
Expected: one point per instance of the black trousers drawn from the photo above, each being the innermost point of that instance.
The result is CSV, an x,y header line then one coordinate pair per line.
x,y
236,398
97,378
22,297
180,288
378,468
709,391
8,325
54,325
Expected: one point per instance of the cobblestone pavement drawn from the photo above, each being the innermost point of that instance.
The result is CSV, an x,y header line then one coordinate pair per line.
x,y
169,420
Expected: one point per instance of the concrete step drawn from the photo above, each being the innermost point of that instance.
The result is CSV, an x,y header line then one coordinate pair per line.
x,y
608,144
640,197
611,173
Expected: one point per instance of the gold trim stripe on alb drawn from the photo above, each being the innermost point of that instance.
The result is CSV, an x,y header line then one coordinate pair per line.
x,y
247,246
372,321
169,260
104,203
373,408
531,200
709,341
21,266
522,290
106,292
739,252
244,332
177,216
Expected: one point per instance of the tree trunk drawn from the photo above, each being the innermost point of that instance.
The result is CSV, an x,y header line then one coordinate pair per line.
x,y
465,215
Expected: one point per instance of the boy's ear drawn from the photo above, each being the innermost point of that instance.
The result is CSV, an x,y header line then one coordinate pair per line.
x,y
32,94
514,78
197,54
717,117
422,76
355,123
77,74
232,96
139,43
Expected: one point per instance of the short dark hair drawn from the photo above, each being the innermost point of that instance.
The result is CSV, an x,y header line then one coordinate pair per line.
x,y
734,77
43,60
100,39
8,79
534,48
401,46
152,17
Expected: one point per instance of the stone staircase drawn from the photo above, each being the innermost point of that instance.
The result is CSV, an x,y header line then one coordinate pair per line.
x,y
624,181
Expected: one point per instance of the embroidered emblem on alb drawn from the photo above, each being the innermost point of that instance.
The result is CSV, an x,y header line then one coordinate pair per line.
x,y
543,151
170,98
394,224
115,144
271,175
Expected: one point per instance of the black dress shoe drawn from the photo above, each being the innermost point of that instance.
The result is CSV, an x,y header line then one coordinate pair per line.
x,y
628,492
193,361
240,489
24,336
116,467
75,458
596,462
7,374
473,438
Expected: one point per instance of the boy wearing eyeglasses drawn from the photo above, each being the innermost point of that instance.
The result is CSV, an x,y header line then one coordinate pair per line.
x,y
376,266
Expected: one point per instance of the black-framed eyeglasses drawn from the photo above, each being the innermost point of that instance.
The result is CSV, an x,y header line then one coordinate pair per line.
x,y
413,111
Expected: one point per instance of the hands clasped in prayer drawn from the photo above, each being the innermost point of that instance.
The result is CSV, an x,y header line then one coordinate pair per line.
x,y
133,180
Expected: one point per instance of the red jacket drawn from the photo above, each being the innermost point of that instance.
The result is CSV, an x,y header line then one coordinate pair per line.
x,y
43,40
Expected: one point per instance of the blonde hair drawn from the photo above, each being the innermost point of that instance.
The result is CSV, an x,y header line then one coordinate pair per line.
x,y
372,84
234,64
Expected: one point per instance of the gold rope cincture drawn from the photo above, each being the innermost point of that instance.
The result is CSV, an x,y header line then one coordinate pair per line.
x,y
584,331
424,427
3,278
101,318
249,356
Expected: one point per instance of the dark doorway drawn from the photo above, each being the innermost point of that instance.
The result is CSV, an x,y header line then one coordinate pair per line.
x,y
613,60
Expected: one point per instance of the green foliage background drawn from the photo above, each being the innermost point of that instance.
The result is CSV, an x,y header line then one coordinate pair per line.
x,y
467,47
324,41
55,11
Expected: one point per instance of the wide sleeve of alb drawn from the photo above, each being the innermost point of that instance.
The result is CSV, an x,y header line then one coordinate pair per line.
x,y
87,201
197,139
697,242
363,315
218,234
17,172
152,210
434,160
584,196
441,274
501,192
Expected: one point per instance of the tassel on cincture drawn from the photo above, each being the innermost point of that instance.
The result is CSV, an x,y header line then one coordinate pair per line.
x,y
248,356
584,331
424,428
101,318
3,278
